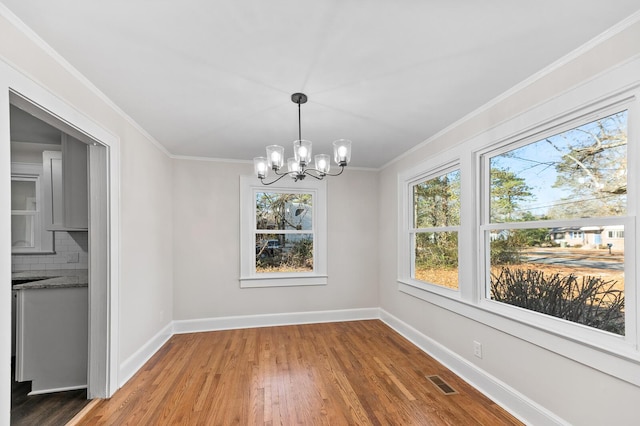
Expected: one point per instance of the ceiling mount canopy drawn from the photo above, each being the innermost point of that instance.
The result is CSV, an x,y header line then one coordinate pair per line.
x,y
297,166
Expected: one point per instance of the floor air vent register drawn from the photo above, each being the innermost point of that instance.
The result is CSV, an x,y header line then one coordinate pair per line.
x,y
443,386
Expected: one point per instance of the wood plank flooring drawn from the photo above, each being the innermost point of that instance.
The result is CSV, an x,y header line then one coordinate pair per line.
x,y
52,409
359,373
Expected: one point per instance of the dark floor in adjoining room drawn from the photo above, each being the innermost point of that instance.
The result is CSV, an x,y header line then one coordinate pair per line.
x,y
54,409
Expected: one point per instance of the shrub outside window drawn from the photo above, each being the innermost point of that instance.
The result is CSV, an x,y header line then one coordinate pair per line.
x,y
555,216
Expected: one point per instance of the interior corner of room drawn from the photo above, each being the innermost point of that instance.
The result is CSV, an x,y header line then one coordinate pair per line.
x,y
144,245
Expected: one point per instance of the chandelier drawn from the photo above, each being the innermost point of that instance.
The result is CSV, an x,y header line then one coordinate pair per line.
x,y
298,165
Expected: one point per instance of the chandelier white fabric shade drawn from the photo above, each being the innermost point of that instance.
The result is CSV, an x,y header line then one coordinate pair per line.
x,y
298,165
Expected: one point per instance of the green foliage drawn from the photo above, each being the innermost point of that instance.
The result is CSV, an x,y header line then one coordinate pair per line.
x,y
591,301
507,191
506,251
534,237
437,250
301,254
437,201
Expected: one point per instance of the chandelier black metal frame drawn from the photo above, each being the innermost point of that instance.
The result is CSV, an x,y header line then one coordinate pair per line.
x,y
297,166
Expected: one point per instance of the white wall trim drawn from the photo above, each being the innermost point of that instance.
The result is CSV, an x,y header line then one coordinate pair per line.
x,y
209,159
52,390
508,398
236,161
269,320
131,365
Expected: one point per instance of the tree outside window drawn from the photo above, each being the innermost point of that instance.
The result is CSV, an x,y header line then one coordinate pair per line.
x,y
436,221
284,232
554,208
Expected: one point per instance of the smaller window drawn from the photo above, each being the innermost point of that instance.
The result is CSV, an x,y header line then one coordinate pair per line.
x,y
283,234
435,208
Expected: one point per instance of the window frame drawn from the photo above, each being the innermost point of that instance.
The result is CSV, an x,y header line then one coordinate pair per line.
x,y
249,278
406,231
414,231
590,335
43,239
615,355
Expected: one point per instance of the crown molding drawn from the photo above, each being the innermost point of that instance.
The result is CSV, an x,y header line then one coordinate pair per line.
x,y
39,42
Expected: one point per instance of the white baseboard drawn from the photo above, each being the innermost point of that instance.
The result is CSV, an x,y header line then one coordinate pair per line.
x,y
511,400
132,364
268,320
53,390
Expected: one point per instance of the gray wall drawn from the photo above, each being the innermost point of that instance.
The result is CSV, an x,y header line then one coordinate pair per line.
x,y
206,203
573,391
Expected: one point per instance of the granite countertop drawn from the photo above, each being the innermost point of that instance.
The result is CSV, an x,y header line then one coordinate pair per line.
x,y
56,278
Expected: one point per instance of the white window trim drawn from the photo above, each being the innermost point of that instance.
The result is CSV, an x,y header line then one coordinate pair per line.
x,y
618,356
43,238
249,278
406,258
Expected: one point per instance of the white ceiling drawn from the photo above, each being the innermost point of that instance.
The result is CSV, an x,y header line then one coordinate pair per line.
x,y
213,78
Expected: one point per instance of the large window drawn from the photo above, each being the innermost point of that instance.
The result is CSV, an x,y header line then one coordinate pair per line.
x,y
535,220
434,231
554,206
283,234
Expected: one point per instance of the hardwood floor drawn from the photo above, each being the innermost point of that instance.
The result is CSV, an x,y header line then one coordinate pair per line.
x,y
359,372
53,409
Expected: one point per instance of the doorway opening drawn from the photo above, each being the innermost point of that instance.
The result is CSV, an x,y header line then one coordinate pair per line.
x,y
80,246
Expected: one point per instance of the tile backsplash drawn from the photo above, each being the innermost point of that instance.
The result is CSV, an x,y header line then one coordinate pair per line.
x,y
71,252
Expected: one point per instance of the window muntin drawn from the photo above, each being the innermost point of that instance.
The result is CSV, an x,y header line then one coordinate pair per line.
x,y
435,207
544,253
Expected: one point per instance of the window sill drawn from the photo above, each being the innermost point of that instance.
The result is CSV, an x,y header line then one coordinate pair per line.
x,y
283,281
431,288
619,360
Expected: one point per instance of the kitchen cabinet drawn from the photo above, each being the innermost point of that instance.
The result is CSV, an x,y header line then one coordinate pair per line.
x,y
52,338
65,181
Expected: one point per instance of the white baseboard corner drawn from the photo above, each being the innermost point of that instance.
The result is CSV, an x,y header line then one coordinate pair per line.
x,y
508,398
132,364
270,320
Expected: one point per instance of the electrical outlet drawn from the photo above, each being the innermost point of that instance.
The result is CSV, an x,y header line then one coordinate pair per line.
x,y
477,349
72,257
